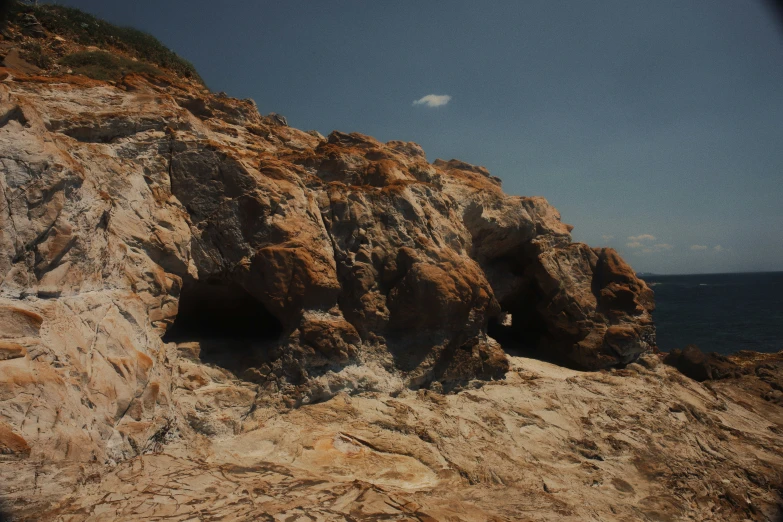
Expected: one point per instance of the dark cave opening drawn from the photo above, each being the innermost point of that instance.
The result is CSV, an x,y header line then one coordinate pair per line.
x,y
520,340
519,328
235,330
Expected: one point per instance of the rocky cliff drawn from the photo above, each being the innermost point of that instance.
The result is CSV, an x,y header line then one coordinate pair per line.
x,y
183,281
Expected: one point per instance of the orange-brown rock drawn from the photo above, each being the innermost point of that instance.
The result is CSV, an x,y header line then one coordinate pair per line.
x,y
11,443
289,258
205,312
11,350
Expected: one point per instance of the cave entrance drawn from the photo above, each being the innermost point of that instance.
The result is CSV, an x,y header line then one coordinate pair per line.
x,y
518,333
234,329
519,328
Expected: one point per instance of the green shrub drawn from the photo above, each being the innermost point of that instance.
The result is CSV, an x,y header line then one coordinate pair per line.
x,y
101,65
86,29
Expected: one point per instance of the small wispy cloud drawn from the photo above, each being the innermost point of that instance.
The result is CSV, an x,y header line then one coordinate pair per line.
x,y
607,237
643,244
433,100
698,248
718,248
639,241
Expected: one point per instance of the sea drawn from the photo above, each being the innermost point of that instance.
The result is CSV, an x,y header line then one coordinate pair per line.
x,y
721,313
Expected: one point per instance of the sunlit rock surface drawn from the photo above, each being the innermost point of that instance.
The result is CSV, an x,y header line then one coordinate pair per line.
x,y
205,312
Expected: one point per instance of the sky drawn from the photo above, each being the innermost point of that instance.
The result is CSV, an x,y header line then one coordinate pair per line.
x,y
655,128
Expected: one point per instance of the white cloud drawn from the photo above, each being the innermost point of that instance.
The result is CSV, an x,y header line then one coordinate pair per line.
x,y
718,248
698,248
641,244
433,100
641,237
607,237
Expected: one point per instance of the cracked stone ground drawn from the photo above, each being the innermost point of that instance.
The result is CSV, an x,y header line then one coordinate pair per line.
x,y
547,443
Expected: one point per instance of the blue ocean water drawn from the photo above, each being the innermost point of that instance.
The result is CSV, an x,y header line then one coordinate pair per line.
x,y
720,313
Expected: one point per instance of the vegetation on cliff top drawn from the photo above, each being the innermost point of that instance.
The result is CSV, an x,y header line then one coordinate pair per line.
x,y
85,29
105,66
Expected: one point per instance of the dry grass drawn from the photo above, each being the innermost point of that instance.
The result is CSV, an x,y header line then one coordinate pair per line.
x,y
101,65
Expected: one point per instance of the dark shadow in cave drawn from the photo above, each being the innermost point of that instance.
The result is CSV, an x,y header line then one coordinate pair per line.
x,y
522,332
234,329
517,341
520,329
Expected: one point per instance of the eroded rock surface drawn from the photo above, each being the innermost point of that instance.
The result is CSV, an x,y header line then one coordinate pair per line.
x,y
122,199
177,272
545,444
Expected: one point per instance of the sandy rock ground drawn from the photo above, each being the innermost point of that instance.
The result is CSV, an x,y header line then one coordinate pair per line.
x,y
545,443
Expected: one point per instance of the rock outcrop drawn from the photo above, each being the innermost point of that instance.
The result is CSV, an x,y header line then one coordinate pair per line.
x,y
177,272
311,264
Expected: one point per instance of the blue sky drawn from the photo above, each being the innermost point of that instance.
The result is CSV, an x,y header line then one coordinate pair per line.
x,y
654,127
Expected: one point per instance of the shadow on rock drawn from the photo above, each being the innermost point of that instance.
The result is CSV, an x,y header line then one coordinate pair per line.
x,y
700,366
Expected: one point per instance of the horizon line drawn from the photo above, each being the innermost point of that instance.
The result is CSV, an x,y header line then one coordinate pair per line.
x,y
709,273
